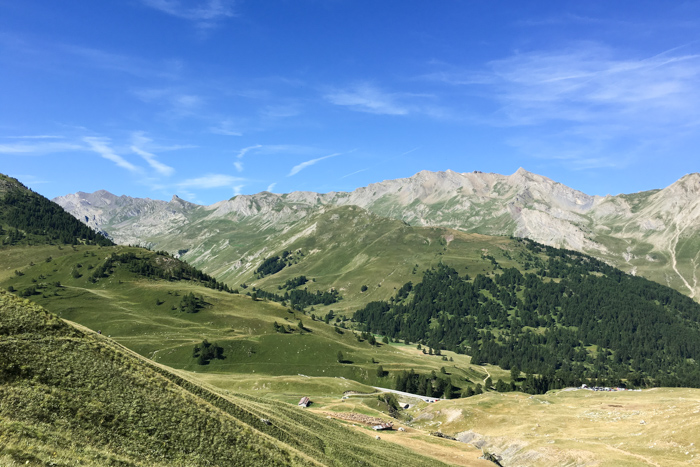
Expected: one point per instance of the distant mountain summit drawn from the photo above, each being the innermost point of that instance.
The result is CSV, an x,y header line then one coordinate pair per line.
x,y
653,233
142,215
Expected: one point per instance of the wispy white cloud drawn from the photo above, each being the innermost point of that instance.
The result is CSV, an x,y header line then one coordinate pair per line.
x,y
237,189
187,101
280,111
271,187
287,149
572,150
243,151
228,128
239,162
592,96
35,137
189,196
368,98
353,173
587,83
211,181
409,151
101,147
177,101
39,148
139,141
299,167
569,18
205,13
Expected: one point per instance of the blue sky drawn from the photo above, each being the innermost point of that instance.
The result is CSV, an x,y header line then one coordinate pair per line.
x,y
210,98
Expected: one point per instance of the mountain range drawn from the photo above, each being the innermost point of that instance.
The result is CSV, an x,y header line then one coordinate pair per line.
x,y
652,233
157,363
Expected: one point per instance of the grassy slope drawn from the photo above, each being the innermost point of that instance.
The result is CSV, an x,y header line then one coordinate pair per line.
x,y
344,247
652,427
649,252
124,307
348,247
71,397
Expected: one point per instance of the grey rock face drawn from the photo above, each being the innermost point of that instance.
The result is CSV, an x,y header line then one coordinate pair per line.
x,y
654,233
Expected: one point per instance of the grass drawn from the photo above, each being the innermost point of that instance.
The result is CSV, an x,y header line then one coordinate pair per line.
x,y
381,253
344,248
652,427
262,374
71,396
142,315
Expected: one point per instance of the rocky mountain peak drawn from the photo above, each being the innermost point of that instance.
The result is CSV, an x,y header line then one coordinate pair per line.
x,y
180,203
689,184
656,223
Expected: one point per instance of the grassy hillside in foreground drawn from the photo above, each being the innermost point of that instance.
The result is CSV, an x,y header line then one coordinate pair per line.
x,y
73,398
145,316
652,427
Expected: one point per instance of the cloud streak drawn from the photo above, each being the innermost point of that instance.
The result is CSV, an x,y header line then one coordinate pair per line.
x,y
205,14
35,148
353,173
139,140
101,147
34,137
299,167
368,98
586,104
588,84
153,162
211,181
239,163
227,128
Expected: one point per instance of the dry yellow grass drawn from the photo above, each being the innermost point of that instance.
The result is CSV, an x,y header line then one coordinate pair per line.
x,y
654,427
447,451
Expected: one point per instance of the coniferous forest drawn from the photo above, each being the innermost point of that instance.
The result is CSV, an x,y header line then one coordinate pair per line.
x,y
35,219
301,298
574,319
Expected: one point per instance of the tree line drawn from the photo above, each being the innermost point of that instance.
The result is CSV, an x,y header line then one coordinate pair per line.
x,y
29,214
300,298
576,319
150,266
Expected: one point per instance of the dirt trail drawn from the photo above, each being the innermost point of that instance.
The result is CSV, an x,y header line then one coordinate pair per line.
x,y
488,375
100,293
637,456
672,249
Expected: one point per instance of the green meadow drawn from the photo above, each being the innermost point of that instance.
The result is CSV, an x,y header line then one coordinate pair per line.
x,y
82,399
144,315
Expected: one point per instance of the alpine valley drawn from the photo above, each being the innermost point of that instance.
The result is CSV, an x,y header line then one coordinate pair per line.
x,y
464,311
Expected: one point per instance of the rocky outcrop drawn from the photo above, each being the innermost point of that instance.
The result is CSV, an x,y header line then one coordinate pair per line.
x,y
125,219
